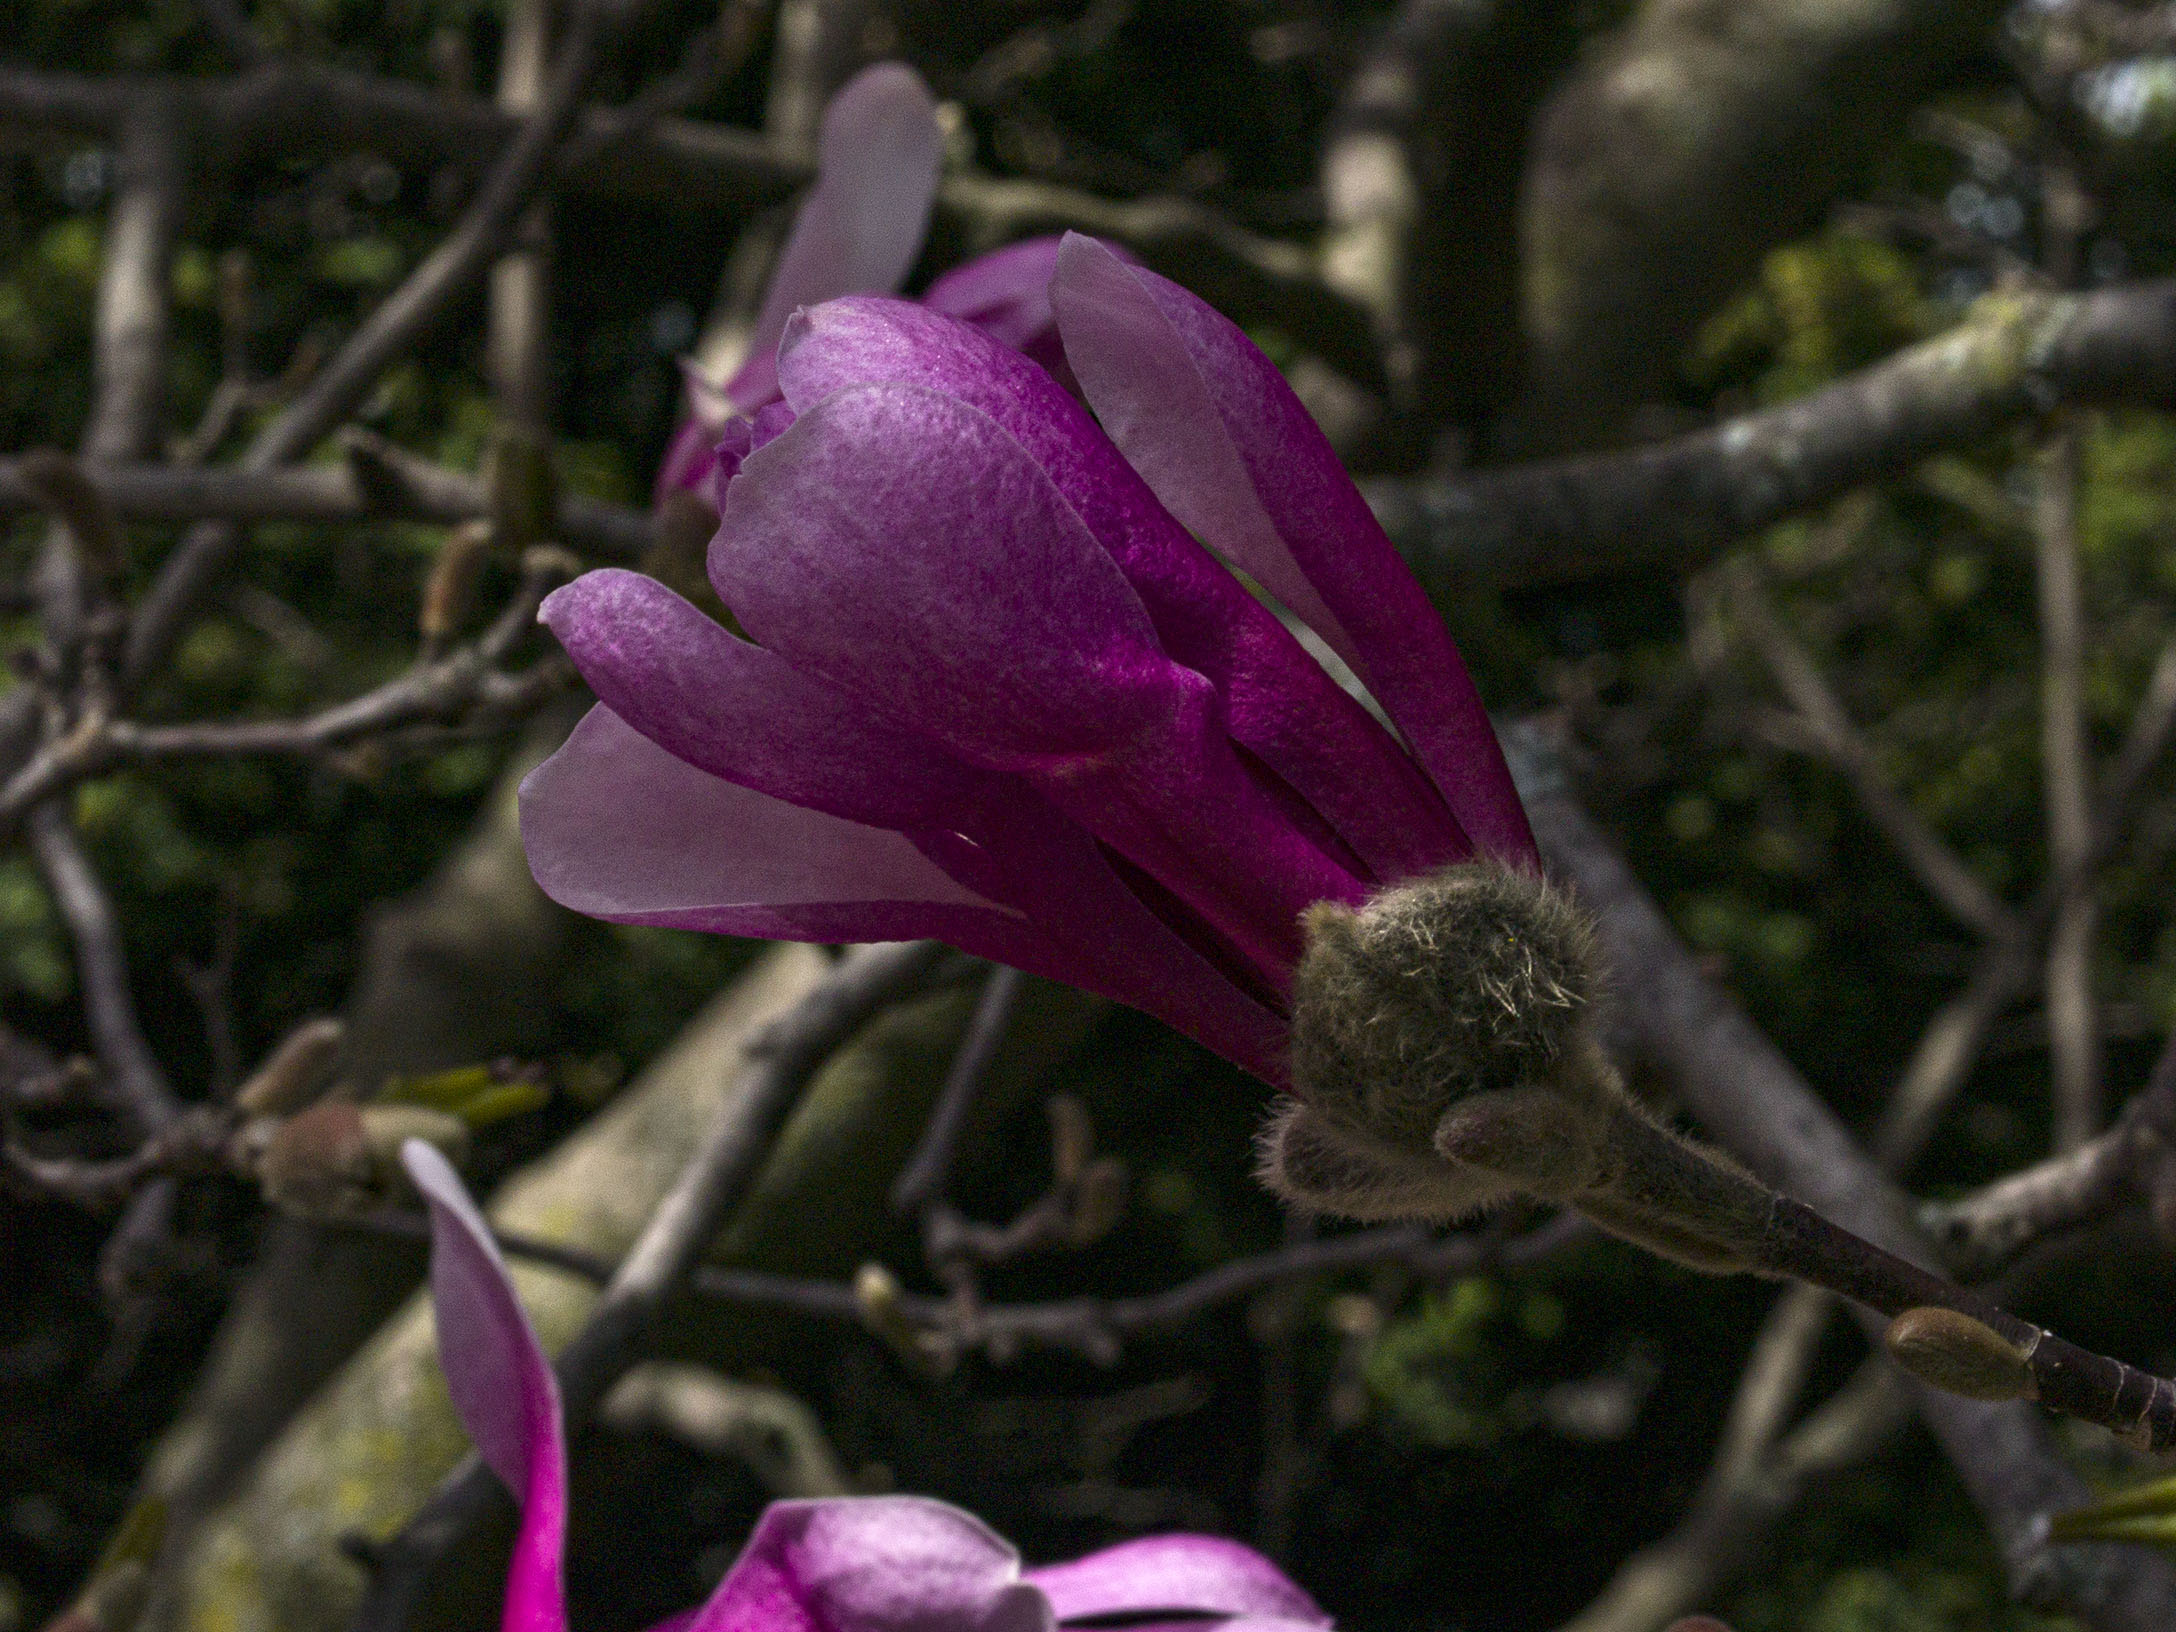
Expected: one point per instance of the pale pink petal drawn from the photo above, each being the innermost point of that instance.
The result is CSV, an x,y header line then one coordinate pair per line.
x,y
862,225
502,1385
1214,428
873,1564
1176,1574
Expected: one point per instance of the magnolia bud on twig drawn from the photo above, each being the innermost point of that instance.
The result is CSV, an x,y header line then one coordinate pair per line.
x,y
337,1159
1954,1352
293,1073
1444,1061
449,588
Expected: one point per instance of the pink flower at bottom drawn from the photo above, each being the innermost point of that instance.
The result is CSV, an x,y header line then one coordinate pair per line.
x,y
845,1564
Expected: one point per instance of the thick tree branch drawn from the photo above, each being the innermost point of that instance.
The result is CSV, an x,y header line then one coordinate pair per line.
x,y
691,168
1687,143
377,482
1676,504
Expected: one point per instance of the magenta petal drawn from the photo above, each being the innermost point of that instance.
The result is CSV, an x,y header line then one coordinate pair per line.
x,y
1028,852
873,1564
617,828
502,1386
1177,1574
1217,432
862,224
1279,704
901,545
898,543
740,712
1005,294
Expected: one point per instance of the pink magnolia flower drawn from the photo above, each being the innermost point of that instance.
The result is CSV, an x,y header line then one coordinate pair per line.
x,y
1002,689
852,1564
858,232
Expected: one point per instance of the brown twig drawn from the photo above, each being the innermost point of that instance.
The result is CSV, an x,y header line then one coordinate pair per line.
x,y
1095,1328
379,481
465,685
1830,733
922,1179
132,1076
396,323
1981,1232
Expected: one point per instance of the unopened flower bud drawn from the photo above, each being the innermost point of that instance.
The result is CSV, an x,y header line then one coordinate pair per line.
x,y
337,1158
1959,1355
879,1297
450,586
318,1163
1099,1201
292,1073
1072,1137
1473,979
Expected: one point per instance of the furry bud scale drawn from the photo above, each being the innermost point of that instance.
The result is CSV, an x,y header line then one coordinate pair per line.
x,y
1473,979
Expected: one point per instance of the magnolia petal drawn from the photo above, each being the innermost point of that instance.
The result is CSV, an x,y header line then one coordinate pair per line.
x,y
1279,703
1005,294
901,545
742,713
1219,435
1028,852
1175,1574
861,227
873,1564
617,828
502,1385
691,457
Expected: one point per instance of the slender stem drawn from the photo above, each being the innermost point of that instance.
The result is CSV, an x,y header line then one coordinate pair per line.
x,y
1677,1196
922,1179
1940,868
132,1072
2073,1027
